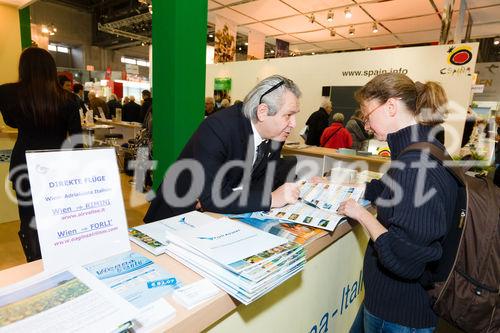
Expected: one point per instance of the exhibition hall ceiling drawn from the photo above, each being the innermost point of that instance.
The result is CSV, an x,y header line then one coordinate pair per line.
x,y
399,22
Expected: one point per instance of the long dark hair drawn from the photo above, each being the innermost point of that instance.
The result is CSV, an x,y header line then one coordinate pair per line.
x,y
40,94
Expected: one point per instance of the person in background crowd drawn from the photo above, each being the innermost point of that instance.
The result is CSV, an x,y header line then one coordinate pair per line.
x,y
131,111
64,82
209,106
113,104
336,136
78,90
407,231
356,127
125,100
224,103
258,126
317,123
44,114
95,103
236,102
146,105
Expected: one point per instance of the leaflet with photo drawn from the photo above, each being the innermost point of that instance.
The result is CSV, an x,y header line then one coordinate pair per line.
x,y
145,241
66,301
135,277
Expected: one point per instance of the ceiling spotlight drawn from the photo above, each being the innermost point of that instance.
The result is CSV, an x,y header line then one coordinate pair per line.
x,y
313,53
246,43
332,32
329,16
347,13
374,28
272,51
496,41
351,30
312,19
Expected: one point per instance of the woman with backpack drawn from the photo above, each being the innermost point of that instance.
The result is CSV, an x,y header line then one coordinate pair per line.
x,y
44,114
415,203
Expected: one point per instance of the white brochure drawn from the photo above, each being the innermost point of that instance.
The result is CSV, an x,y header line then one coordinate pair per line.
x,y
78,204
67,301
230,243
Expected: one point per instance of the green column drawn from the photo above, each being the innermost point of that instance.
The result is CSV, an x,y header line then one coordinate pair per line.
x,y
179,47
25,25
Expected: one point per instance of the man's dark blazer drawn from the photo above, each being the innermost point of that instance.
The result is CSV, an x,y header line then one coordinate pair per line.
x,y
221,138
131,112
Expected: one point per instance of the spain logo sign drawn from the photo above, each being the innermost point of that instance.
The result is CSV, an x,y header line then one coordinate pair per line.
x,y
459,55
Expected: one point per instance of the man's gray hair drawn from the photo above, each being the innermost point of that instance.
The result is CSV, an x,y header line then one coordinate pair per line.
x,y
338,118
273,99
326,103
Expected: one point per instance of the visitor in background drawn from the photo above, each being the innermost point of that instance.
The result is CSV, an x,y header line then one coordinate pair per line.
x,y
131,111
356,128
147,103
95,103
44,114
78,91
336,136
317,123
209,106
113,104
408,229
64,82
125,100
224,103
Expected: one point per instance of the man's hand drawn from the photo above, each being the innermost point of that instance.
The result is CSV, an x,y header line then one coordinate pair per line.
x,y
287,193
318,180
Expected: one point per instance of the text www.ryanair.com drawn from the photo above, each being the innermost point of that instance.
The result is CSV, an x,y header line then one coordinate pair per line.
x,y
374,72
90,234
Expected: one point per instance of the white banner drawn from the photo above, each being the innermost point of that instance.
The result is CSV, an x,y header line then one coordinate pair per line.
x,y
451,65
78,205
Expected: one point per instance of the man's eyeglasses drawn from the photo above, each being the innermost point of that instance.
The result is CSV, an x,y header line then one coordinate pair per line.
x,y
273,88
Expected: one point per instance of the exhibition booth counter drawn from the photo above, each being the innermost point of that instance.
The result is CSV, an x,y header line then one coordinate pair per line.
x,y
323,295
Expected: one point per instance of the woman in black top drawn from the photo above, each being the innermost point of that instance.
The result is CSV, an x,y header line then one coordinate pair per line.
x,y
44,115
415,203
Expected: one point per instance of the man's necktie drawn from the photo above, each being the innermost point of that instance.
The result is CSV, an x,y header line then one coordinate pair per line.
x,y
260,154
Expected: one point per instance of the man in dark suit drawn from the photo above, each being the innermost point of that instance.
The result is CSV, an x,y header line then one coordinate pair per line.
x,y
147,102
230,162
131,111
318,122
78,90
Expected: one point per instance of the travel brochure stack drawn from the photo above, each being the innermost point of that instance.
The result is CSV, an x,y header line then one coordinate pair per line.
x,y
244,261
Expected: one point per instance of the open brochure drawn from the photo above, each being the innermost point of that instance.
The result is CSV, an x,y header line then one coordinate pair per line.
x,y
318,205
294,232
71,300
